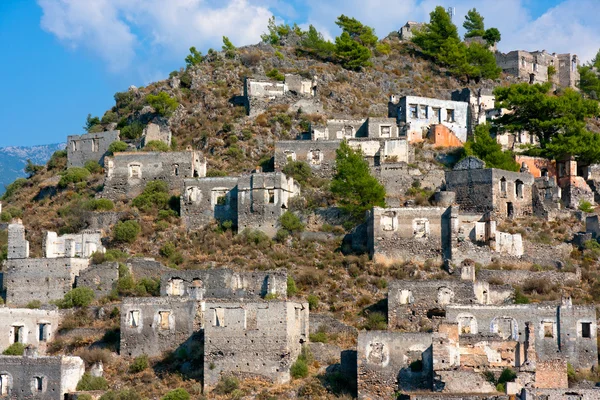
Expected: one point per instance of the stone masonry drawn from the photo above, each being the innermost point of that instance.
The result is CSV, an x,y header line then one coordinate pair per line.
x,y
89,147
533,67
82,244
34,327
128,173
44,378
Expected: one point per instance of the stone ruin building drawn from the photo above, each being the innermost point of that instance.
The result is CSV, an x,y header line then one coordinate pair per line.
x,y
89,147
481,103
475,330
39,377
66,265
299,93
157,131
416,116
254,201
128,173
378,138
35,327
533,67
406,31
242,323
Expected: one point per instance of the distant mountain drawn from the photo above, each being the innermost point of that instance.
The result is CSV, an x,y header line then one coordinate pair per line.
x,y
13,160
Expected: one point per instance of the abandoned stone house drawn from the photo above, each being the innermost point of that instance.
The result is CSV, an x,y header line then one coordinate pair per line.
x,y
157,131
34,327
481,105
541,67
254,201
128,173
225,317
505,194
224,283
416,115
576,182
439,234
89,147
39,377
295,91
406,32
411,301
66,265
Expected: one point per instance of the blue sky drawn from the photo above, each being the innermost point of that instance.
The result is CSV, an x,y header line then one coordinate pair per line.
x,y
63,59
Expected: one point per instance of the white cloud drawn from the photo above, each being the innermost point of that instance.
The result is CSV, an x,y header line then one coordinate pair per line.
x,y
117,29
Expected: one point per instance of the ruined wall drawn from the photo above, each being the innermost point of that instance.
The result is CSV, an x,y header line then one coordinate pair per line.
x,y
551,374
89,147
397,234
253,340
34,327
320,155
128,173
101,278
153,325
518,277
552,324
224,283
206,199
441,136
157,132
296,92
42,279
413,300
419,113
82,244
262,199
55,376
18,247
538,166
397,178
391,361
560,394
532,67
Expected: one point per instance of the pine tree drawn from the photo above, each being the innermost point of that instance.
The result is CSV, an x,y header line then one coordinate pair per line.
x,y
439,29
485,147
473,24
352,54
356,189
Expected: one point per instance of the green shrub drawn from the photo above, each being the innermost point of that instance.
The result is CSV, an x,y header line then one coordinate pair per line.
x,y
15,349
226,385
177,394
168,249
520,298
164,104
78,297
507,375
281,235
571,375
271,296
117,147
73,175
275,74
57,160
299,170
313,302
89,382
13,188
93,167
99,205
299,369
125,394
126,232
319,337
376,321
156,145
132,131
84,396
291,286
290,222
155,196
501,388
139,364
586,206
34,304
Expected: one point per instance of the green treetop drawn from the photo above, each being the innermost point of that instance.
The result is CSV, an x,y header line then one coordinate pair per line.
x,y
486,148
473,24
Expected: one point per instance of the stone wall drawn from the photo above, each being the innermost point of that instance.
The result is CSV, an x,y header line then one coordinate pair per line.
x,y
44,378
146,267
42,279
559,330
206,199
222,283
398,178
18,247
153,325
560,394
518,277
82,244
537,166
128,173
441,136
253,339
391,361
34,327
320,154
101,278
409,301
89,147
157,132
551,374
298,93
532,67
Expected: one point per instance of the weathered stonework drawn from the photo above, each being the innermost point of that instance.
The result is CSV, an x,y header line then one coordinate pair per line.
x,y
415,115
34,327
45,378
101,278
82,244
254,201
128,173
481,104
89,147
18,246
533,67
560,394
295,91
406,32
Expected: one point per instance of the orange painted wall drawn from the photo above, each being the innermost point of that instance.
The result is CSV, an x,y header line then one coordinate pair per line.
x,y
536,164
443,137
